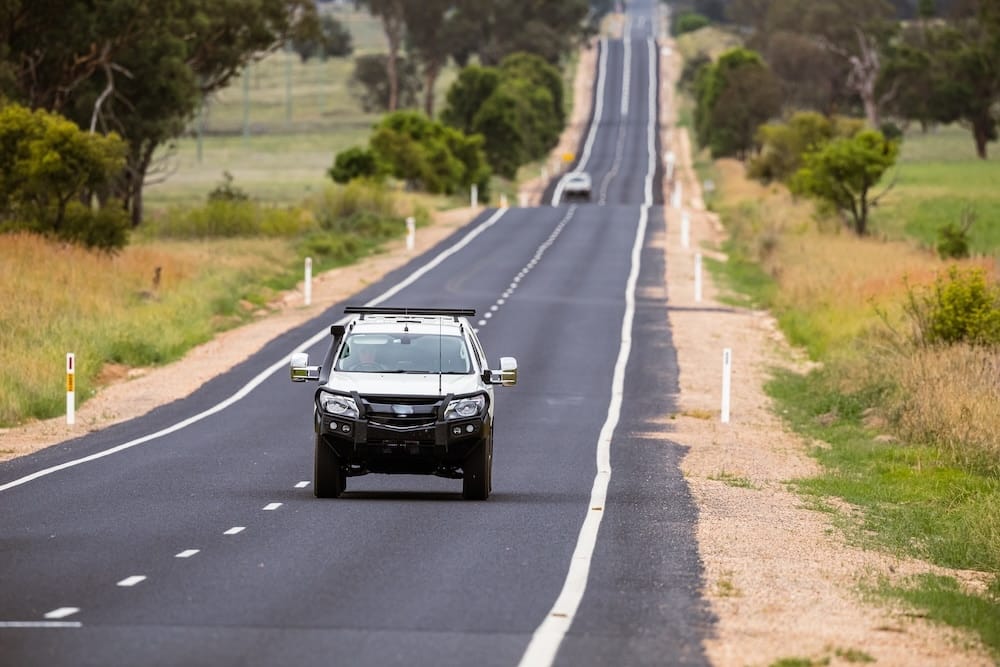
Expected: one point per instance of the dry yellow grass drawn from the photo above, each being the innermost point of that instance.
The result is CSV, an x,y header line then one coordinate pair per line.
x,y
845,295
60,298
949,396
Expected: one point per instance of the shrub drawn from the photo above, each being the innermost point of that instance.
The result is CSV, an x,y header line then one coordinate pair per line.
x,y
106,228
226,191
953,239
960,308
689,22
230,218
354,163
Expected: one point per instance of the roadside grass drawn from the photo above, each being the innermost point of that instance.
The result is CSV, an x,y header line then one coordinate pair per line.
x,y
938,178
106,309
911,436
185,277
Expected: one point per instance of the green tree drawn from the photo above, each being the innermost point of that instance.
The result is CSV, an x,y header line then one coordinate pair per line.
x,y
951,73
354,163
321,37
433,33
392,15
782,146
467,94
547,28
842,173
734,97
370,80
47,167
429,155
136,67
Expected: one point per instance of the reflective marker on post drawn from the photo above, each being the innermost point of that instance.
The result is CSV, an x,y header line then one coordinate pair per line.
x,y
727,369
308,281
70,388
411,232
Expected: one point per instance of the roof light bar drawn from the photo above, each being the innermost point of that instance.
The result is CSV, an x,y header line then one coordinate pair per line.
x,y
387,310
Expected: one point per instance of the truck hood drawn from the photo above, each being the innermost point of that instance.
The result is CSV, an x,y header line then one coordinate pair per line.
x,y
403,384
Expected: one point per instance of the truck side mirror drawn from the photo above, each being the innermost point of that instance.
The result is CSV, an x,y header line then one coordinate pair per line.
x,y
507,375
300,369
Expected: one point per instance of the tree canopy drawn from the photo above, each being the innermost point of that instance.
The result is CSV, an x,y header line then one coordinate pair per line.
x,y
135,67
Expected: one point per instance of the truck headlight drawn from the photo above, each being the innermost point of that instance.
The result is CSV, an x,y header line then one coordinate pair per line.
x,y
461,408
341,406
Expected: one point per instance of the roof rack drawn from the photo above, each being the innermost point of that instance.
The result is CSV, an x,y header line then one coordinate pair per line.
x,y
386,310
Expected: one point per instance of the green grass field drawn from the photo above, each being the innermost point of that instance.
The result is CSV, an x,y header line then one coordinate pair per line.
x,y
277,129
938,176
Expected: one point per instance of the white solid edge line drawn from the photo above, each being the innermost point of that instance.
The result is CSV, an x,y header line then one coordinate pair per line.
x,y
269,371
41,624
594,122
545,641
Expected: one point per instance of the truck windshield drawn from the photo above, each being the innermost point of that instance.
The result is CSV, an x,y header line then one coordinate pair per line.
x,y
404,353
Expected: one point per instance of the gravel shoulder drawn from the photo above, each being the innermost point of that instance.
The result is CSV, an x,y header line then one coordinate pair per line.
x,y
781,581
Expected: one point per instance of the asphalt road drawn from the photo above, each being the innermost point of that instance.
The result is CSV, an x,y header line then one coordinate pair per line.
x,y
192,537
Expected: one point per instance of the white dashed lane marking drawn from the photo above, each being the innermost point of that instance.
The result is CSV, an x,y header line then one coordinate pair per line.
x,y
61,612
132,581
187,553
301,485
234,530
271,506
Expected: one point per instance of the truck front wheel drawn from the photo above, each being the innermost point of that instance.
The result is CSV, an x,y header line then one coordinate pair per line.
x,y
329,479
477,472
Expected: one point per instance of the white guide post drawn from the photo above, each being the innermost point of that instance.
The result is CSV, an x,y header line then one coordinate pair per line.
x,y
308,281
697,277
522,199
727,372
474,196
686,230
70,388
411,232
503,201
677,195
670,158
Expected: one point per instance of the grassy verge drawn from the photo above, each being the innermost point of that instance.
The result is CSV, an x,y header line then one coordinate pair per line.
x,y
190,274
938,180
900,428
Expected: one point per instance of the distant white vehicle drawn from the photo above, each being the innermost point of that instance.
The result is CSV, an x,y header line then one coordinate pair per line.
x,y
576,184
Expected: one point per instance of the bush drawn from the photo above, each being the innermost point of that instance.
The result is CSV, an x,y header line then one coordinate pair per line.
x,y
953,239
962,308
226,191
689,22
104,229
354,163
230,218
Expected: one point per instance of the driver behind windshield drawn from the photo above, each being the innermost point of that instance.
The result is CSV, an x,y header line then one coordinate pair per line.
x,y
409,353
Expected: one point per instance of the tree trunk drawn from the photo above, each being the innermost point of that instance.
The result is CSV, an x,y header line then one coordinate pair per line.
x,y
431,72
981,134
392,25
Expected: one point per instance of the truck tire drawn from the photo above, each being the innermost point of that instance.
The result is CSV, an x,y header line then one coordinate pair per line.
x,y
477,472
329,479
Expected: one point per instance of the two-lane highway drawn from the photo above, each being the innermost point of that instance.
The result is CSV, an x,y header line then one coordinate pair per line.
x,y
191,536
